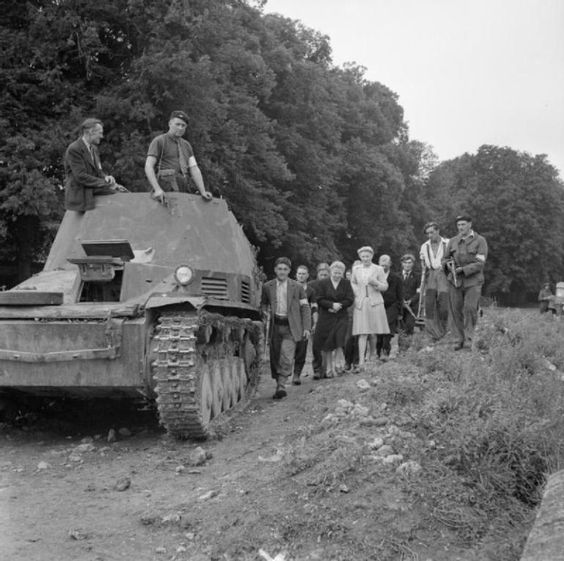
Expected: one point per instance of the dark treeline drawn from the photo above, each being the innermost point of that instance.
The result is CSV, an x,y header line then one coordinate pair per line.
x,y
313,159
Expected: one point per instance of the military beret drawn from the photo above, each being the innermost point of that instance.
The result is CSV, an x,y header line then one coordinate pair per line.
x,y
463,217
179,115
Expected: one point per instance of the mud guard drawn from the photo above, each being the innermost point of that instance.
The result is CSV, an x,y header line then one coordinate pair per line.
x,y
163,300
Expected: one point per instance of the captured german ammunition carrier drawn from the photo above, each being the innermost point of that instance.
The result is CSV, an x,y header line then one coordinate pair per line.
x,y
138,299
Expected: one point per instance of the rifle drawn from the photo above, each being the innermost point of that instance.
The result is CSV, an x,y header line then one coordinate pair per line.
x,y
452,276
420,318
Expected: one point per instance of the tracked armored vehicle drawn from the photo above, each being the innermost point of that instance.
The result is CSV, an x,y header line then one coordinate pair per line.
x,y
140,300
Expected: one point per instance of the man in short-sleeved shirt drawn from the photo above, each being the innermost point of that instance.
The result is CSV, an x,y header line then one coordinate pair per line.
x,y
170,159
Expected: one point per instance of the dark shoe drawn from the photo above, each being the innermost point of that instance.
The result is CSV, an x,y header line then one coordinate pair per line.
x,y
296,381
458,346
279,394
317,376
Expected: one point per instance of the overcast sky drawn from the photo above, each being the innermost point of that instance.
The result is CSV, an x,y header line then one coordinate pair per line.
x,y
467,72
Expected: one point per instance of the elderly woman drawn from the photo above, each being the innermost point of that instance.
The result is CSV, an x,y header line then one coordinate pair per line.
x,y
334,295
369,316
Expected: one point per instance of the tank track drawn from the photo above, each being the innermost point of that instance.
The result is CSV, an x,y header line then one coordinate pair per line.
x,y
204,364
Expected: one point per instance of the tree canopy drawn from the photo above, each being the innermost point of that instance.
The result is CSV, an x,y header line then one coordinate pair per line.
x,y
313,159
517,202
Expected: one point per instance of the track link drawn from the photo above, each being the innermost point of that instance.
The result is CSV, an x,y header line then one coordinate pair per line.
x,y
204,364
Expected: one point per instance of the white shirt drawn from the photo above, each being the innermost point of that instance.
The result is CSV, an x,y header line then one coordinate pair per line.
x,y
433,260
282,298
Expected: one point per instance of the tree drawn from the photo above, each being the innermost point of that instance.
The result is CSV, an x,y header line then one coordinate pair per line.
x,y
517,202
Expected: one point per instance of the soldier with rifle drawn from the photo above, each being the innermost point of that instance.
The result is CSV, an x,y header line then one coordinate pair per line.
x,y
464,262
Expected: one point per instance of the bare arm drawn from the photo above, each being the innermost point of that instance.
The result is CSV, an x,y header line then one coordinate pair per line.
x,y
197,178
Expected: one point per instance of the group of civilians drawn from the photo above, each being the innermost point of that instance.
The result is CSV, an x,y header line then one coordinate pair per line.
x,y
353,315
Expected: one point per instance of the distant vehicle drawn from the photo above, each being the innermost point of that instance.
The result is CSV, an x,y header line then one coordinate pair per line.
x,y
557,302
138,299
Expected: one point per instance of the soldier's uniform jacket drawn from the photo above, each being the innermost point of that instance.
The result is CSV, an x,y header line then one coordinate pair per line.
x,y
470,253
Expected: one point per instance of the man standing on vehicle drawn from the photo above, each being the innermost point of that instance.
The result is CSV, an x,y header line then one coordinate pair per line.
x,y
464,262
83,169
284,300
169,160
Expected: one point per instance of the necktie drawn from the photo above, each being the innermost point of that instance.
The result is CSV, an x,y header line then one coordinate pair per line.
x,y
95,157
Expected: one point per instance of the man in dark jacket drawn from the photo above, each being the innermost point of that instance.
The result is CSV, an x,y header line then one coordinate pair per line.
x,y
317,359
302,274
409,286
464,262
393,302
290,321
83,170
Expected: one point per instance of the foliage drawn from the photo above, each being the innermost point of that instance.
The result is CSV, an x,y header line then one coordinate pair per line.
x,y
495,418
313,159
517,202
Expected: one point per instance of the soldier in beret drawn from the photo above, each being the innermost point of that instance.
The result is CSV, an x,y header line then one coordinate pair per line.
x,y
464,262
169,160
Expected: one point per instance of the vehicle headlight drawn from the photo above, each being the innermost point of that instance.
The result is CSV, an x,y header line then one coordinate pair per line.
x,y
183,275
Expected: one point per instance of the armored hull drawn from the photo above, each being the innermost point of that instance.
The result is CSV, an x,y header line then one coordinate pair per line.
x,y
139,299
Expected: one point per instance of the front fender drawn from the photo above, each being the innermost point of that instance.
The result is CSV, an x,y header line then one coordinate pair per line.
x,y
162,300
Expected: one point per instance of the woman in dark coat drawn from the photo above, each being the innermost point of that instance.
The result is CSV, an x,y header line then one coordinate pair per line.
x,y
334,295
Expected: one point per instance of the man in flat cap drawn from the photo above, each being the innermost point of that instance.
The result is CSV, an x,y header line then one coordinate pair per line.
x,y
285,301
170,159
464,262
83,169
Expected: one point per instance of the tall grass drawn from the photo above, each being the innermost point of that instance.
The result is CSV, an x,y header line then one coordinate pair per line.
x,y
495,419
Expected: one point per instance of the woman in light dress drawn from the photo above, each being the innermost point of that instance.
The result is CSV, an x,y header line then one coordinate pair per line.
x,y
369,316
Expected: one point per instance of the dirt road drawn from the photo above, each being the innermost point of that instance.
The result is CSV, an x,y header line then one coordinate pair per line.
x,y
301,479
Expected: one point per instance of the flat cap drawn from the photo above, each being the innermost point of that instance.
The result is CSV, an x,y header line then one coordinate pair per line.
x,y
179,115
408,257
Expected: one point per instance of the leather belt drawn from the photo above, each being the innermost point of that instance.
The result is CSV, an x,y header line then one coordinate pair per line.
x,y
280,320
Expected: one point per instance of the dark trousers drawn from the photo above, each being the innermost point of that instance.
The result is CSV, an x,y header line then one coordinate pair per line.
x,y
351,350
436,313
317,361
300,357
282,351
384,344
408,323
174,182
463,307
